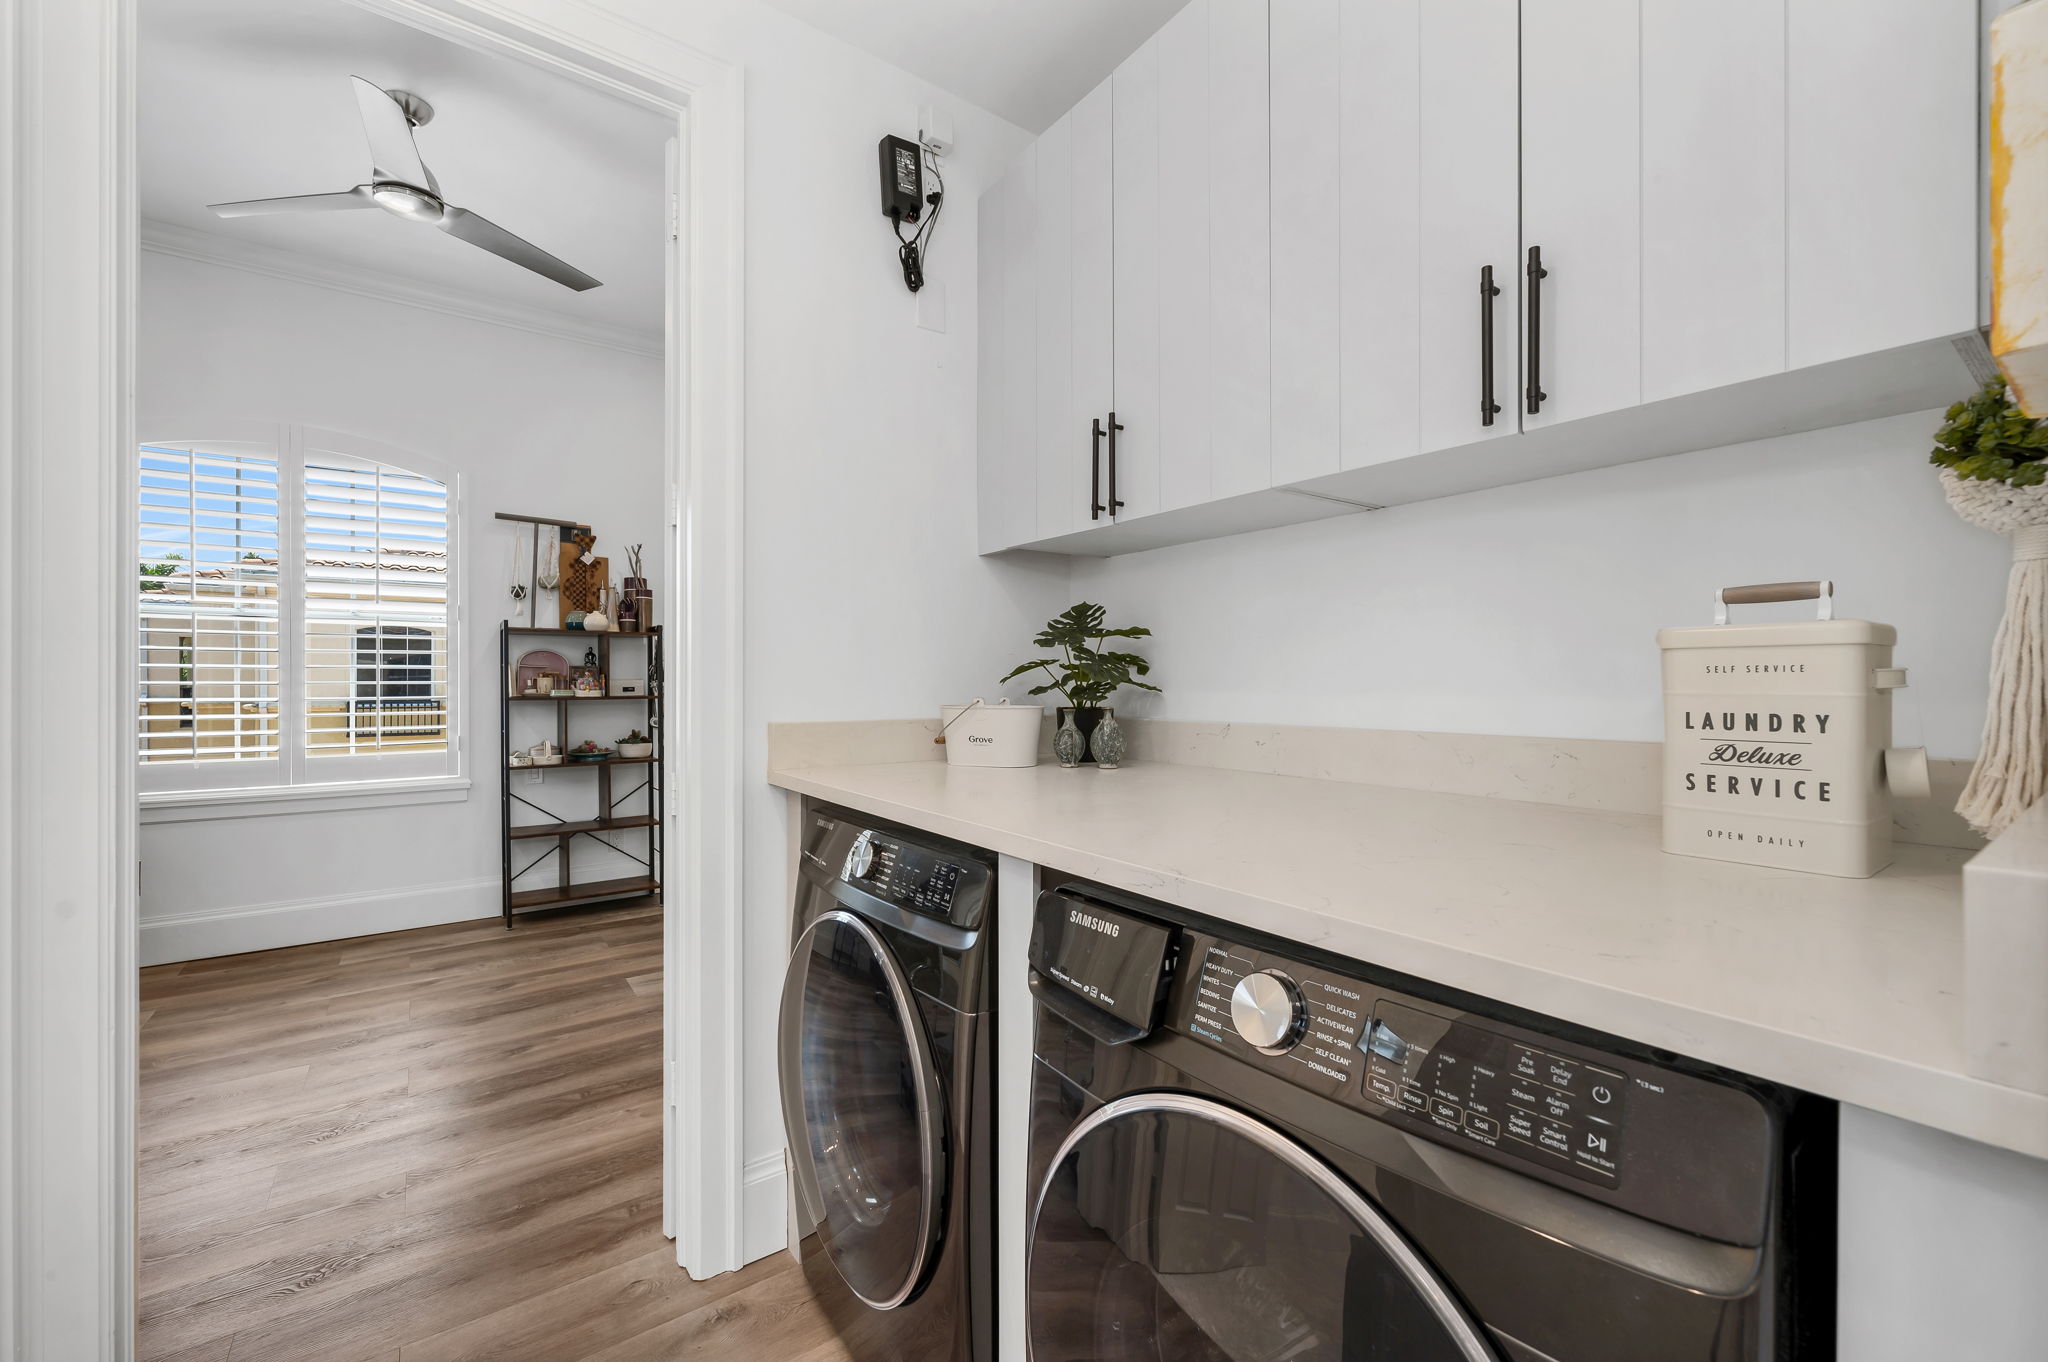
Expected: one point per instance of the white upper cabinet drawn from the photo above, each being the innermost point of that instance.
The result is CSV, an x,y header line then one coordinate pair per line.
x,y
1581,256
1240,251
1323,254
1469,267
1881,108
1713,136
1379,372
1132,459
1185,101
1306,214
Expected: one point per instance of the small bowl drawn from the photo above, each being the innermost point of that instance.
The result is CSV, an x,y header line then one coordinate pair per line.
x,y
601,754
636,750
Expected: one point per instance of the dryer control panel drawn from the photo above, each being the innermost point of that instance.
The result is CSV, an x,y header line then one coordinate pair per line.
x,y
1590,1118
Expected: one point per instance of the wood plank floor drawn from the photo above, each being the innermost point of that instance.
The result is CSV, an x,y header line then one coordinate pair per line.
x,y
423,1147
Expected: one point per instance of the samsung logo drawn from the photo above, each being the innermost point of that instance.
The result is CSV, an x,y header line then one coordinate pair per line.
x,y
1093,923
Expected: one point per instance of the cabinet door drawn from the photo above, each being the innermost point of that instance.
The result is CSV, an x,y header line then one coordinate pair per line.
x,y
1379,301
1184,374
1882,156
1093,299
1062,433
1240,250
1007,465
1713,115
1469,216
1582,209
1305,84
1134,161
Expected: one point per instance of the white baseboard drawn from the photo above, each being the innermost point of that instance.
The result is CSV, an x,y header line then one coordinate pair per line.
x,y
266,926
300,922
764,1207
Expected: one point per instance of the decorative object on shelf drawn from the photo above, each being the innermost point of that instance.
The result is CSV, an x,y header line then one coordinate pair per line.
x,y
636,745
534,665
588,750
545,753
1994,469
584,574
537,581
518,758
545,683
1106,743
629,689
1067,743
1084,674
597,621
574,620
1777,737
587,683
635,600
980,734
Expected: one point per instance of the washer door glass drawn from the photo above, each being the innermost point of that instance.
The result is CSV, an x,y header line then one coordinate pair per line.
x,y
867,1108
1175,1229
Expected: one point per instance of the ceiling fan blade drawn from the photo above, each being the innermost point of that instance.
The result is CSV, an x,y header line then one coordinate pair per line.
x,y
392,153
464,225
359,197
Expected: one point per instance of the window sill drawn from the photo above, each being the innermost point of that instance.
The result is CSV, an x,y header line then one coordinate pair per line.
x,y
265,801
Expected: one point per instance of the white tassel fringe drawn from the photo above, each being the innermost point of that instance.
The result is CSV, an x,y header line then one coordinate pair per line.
x,y
2012,766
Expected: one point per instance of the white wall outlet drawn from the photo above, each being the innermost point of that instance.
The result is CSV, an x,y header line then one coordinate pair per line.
x,y
534,777
935,129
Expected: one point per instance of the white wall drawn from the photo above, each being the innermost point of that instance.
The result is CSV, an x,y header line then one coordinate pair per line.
x,y
1533,609
864,596
535,424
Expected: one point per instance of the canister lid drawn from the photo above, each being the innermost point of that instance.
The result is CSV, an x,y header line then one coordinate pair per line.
x,y
1790,632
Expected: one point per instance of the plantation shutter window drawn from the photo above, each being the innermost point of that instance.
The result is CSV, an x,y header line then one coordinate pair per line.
x,y
208,524
296,595
376,595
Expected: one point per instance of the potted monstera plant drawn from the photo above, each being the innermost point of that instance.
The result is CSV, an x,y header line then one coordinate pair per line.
x,y
1086,675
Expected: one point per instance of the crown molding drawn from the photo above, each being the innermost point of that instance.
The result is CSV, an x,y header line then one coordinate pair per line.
x,y
212,248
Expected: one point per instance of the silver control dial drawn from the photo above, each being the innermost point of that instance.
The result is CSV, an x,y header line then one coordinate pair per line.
x,y
1267,1010
860,858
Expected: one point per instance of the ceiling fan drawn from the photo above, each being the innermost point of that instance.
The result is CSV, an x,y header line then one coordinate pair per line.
x,y
404,187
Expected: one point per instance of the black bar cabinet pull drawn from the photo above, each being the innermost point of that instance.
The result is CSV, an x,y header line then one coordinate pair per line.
x,y
1115,503
1537,274
1488,291
1095,506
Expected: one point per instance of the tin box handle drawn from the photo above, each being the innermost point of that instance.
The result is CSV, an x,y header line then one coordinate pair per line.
x,y
1765,592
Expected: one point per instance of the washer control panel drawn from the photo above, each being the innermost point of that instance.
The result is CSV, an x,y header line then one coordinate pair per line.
x,y
1448,1074
1486,1086
914,877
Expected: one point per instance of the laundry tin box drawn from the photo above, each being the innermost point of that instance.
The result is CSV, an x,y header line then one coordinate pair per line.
x,y
1777,738
1001,734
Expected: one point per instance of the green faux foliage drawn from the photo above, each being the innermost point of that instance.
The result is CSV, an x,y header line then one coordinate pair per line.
x,y
1085,675
1989,439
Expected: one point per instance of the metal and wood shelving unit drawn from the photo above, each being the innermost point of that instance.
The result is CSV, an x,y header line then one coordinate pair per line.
x,y
559,836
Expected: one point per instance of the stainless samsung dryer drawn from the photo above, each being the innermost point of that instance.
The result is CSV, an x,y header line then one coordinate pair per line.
x,y
1244,1150
886,1036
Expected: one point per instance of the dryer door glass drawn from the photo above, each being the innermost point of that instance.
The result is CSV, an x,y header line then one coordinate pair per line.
x,y
863,1108
1174,1229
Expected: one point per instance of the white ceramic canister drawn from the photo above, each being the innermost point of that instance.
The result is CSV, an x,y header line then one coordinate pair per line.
x,y
1001,734
1777,738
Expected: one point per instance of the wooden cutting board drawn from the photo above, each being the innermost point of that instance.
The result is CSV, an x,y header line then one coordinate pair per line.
x,y
581,581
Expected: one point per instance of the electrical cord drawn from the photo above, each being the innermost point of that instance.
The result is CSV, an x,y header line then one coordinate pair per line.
x,y
911,250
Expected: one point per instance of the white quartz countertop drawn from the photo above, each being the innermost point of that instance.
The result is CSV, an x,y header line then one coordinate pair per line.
x,y
1849,988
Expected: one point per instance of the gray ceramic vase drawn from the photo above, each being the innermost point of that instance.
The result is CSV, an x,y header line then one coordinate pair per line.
x,y
1068,744
1107,743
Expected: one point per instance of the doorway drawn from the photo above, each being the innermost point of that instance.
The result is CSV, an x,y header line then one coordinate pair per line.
x,y
70,906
